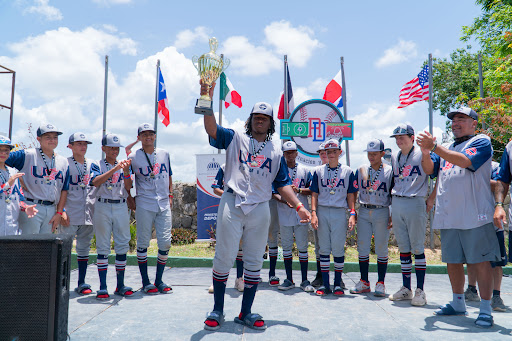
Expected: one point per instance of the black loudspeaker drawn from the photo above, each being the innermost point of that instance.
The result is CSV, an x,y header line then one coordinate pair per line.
x,y
34,287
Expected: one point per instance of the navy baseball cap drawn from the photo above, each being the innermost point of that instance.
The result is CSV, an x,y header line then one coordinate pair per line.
x,y
5,141
289,145
465,111
79,137
403,129
262,108
111,140
375,146
47,128
145,127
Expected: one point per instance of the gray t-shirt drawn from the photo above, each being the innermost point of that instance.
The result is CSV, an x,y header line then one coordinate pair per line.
x,y
152,191
113,188
301,178
409,176
374,189
81,193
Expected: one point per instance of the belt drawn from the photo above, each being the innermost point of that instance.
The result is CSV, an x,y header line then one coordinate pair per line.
x,y
40,202
229,190
111,201
372,206
403,196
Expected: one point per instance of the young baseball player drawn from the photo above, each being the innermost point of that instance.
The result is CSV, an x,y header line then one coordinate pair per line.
x,y
318,278
254,163
218,188
11,194
153,183
289,222
111,214
333,191
411,168
79,205
44,181
374,186
467,230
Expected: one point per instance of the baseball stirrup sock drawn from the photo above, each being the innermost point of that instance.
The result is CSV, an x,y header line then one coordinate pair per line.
x,y
420,265
219,289
102,262
239,264
251,281
382,268
364,265
287,258
120,267
325,263
142,259
160,265
339,263
318,268
303,260
82,268
406,265
272,255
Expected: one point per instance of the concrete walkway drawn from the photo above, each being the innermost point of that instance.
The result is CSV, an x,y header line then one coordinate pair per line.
x,y
290,315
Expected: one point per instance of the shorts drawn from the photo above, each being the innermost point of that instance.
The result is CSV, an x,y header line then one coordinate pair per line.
x,y
470,246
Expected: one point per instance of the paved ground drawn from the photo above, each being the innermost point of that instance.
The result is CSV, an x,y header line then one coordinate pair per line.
x,y
291,315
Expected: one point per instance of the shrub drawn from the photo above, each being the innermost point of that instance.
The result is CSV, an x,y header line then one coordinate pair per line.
x,y
181,236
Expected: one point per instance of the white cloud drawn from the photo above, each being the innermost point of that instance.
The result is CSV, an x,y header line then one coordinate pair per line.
x,y
43,8
399,53
296,42
248,59
187,38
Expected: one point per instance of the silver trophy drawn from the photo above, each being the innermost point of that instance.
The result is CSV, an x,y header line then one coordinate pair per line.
x,y
209,67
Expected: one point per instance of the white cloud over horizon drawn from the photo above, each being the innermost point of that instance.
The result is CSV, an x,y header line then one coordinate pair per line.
x,y
401,52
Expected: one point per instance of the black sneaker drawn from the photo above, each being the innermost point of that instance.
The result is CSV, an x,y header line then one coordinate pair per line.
x,y
318,280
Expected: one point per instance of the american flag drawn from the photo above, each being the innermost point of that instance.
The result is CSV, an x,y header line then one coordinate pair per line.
x,y
415,90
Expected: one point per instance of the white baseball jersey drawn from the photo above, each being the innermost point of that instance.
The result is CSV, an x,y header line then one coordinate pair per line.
x,y
374,186
81,193
113,188
255,168
152,190
9,204
409,176
301,178
464,199
333,188
42,180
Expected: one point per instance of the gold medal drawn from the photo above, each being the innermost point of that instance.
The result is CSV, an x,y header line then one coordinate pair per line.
x,y
47,180
152,175
332,191
401,177
7,200
370,190
109,187
254,164
82,185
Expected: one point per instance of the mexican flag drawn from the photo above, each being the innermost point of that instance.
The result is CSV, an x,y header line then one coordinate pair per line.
x,y
228,93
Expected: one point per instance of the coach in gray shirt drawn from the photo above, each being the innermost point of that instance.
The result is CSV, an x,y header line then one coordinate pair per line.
x,y
464,210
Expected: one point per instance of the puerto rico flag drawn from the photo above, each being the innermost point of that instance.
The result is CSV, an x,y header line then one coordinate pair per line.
x,y
163,106
333,91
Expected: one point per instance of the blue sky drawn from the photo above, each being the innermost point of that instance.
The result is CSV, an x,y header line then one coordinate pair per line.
x,y
58,49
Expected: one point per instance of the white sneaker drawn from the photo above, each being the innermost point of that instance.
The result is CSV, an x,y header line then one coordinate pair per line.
x,y
420,299
361,287
380,289
239,284
402,294
210,289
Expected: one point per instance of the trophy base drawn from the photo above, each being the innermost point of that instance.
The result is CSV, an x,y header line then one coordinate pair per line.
x,y
204,107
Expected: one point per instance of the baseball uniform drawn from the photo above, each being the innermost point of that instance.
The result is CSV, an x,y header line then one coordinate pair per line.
x,y
10,199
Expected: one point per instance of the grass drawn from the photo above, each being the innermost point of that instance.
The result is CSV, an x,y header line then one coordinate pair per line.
x,y
204,250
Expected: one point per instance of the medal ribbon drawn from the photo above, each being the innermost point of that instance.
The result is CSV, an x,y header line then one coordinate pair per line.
x,y
108,168
80,173
401,168
48,170
331,182
149,162
253,147
4,180
370,171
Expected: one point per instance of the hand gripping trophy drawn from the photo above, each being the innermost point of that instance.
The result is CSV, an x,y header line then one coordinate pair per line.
x,y
209,67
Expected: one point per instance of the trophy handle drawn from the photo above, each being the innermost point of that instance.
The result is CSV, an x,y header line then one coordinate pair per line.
x,y
195,60
226,63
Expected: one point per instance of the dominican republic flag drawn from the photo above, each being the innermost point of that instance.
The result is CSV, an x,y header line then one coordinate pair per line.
x,y
415,90
228,94
163,106
291,105
333,91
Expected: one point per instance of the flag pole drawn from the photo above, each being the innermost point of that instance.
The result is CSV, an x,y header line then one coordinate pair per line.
x,y
156,95
431,131
481,83
344,99
105,100
220,102
285,95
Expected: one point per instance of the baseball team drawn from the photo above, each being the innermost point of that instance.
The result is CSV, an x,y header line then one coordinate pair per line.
x,y
265,192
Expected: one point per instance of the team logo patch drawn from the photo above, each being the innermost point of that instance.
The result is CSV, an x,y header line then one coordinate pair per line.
x,y
372,144
49,126
82,136
471,151
263,107
146,126
356,185
115,139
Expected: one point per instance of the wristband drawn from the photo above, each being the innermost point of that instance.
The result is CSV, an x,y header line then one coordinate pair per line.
x,y
171,196
313,210
5,186
299,205
435,146
59,213
499,203
352,212
126,176
300,190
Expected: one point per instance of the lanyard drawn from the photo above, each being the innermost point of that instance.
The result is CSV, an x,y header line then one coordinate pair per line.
x,y
48,170
370,171
294,172
149,162
108,168
401,168
80,172
9,191
332,181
